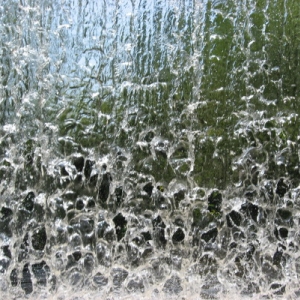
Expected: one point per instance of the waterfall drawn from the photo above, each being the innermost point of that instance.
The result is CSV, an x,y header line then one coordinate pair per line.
x,y
149,149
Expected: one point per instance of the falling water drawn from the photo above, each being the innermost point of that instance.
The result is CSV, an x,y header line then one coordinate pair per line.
x,y
149,149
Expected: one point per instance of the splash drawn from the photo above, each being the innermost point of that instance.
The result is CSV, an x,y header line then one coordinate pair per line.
x,y
149,149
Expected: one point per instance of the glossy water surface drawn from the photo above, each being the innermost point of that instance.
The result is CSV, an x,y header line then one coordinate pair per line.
x,y
149,149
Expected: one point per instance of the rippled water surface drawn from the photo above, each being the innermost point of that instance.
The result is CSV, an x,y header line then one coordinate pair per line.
x,y
149,149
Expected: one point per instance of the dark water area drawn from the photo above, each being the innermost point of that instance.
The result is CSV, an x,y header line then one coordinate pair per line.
x,y
149,149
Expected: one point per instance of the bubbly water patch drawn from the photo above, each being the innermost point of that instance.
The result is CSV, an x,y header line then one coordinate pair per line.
x,y
149,149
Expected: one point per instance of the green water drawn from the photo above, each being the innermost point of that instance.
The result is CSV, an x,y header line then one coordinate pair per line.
x,y
152,109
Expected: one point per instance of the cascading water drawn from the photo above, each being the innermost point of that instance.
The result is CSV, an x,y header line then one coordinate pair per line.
x,y
149,149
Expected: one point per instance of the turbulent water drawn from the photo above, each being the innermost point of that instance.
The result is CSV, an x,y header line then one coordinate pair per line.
x,y
149,149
